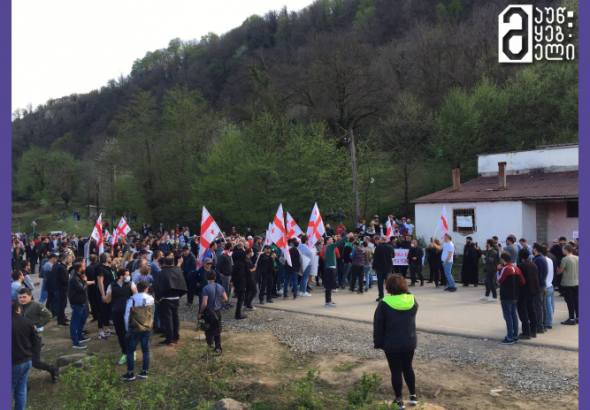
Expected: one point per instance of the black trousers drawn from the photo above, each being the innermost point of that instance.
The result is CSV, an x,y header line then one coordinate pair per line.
x,y
213,334
241,296
119,322
416,270
190,293
50,303
93,301
401,363
491,285
526,313
320,271
37,362
357,274
250,294
437,272
267,287
403,271
62,300
329,276
169,319
571,299
104,311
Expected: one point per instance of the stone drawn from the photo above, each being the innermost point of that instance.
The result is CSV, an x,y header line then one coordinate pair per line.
x,y
239,370
258,384
229,404
69,359
436,393
81,363
495,392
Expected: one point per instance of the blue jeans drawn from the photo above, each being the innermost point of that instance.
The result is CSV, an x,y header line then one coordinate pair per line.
x,y
382,277
368,276
304,278
77,323
550,303
43,297
20,375
157,314
448,268
144,339
290,278
345,272
511,318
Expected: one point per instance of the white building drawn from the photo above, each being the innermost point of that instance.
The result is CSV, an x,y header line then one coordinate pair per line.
x,y
531,194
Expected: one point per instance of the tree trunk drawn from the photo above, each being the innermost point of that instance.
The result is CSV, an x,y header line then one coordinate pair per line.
x,y
406,202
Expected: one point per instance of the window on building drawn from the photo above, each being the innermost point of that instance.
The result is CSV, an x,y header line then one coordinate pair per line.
x,y
464,220
572,209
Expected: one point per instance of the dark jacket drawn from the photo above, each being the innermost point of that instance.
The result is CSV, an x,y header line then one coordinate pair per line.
x,y
358,256
347,253
394,325
238,275
542,270
491,261
510,279
60,277
199,276
295,263
418,253
224,264
164,247
169,282
531,278
382,258
195,247
250,281
188,264
265,265
36,312
24,339
77,290
120,295
471,258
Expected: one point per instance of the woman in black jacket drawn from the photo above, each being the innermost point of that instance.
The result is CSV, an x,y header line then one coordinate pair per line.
x,y
250,281
394,331
238,278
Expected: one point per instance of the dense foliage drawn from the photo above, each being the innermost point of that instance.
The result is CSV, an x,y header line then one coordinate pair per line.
x,y
263,114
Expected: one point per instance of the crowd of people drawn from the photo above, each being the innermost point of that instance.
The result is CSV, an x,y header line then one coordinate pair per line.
x,y
133,289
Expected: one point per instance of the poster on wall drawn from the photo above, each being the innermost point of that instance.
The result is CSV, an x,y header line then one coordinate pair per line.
x,y
576,235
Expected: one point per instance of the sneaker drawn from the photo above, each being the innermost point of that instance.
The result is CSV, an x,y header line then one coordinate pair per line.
x,y
261,302
306,294
128,377
335,290
484,298
568,322
524,337
85,332
332,302
102,336
165,343
123,359
551,327
330,305
411,285
447,288
142,375
492,300
241,317
399,403
86,339
248,308
452,289
189,305
437,286
270,301
110,332
79,346
366,289
295,297
280,292
414,399
505,341
285,297
176,342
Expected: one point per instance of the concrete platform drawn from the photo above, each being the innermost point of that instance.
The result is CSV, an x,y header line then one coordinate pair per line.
x,y
458,313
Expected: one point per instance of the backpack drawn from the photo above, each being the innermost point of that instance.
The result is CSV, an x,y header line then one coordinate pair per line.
x,y
141,318
209,314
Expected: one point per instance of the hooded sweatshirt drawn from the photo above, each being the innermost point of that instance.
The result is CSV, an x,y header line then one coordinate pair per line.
x,y
394,325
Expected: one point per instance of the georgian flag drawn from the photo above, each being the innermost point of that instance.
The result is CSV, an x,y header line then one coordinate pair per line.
x,y
388,229
278,234
209,231
267,240
122,229
315,229
442,222
97,234
293,230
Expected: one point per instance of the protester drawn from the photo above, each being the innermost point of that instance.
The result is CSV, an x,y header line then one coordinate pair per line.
x,y
358,267
435,264
368,263
169,286
292,272
540,305
225,268
394,332
238,279
17,283
77,294
470,267
139,321
527,295
382,264
550,293
569,269
305,251
118,293
510,279
189,264
24,341
511,248
491,260
213,296
415,255
329,253
104,278
40,316
448,249
265,273
60,285
92,289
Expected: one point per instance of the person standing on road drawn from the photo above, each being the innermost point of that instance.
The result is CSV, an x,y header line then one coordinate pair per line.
x,y
542,269
526,298
329,253
104,277
169,287
469,270
394,332
77,294
265,273
569,269
213,296
118,293
510,280
491,260
511,248
60,285
415,256
358,267
448,249
382,264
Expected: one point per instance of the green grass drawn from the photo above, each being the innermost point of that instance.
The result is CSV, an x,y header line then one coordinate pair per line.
x,y
345,367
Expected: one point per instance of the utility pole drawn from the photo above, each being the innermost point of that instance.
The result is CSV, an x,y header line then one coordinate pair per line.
x,y
350,133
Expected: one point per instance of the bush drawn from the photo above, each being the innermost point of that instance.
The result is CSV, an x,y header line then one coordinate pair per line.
x,y
306,391
357,399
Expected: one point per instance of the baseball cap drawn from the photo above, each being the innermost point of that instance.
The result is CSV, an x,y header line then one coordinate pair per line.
x,y
207,260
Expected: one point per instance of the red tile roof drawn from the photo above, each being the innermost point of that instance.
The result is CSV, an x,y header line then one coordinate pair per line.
x,y
551,185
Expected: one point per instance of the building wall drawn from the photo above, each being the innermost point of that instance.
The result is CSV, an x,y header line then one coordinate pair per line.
x,y
492,219
558,224
550,159
529,222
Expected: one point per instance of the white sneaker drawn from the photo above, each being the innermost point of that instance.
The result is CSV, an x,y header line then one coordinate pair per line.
x,y
306,294
280,292
330,305
483,298
492,300
335,290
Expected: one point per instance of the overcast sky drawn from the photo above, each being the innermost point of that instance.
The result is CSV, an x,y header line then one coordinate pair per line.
x,y
60,47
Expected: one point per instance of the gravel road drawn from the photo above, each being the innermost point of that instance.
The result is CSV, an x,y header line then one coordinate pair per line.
x,y
527,368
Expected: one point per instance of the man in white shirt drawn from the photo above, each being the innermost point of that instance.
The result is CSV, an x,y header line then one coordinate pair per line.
x,y
140,300
410,227
448,249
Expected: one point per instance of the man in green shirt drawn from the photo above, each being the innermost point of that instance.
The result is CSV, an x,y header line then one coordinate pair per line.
x,y
569,283
330,270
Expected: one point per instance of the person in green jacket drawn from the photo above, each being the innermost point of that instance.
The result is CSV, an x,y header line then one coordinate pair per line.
x,y
330,268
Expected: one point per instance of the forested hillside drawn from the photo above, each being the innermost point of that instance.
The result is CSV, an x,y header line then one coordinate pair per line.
x,y
262,114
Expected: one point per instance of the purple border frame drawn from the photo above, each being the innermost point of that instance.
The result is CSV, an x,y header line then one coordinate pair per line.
x,y
6,203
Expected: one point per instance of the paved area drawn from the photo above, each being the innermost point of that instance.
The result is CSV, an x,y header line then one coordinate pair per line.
x,y
457,313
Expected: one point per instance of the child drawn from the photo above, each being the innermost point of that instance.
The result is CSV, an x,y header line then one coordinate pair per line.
x,y
139,325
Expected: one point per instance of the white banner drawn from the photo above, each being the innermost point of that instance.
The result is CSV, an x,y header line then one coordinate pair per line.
x,y
401,257
464,221
315,260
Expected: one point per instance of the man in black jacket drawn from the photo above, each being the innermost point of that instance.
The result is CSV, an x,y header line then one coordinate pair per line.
x,y
77,288
60,286
415,255
92,288
526,298
292,272
405,243
265,272
238,278
169,287
382,264
24,339
470,268
225,267
189,264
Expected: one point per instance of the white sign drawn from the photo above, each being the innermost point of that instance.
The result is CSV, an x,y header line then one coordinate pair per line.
x,y
576,235
401,257
464,221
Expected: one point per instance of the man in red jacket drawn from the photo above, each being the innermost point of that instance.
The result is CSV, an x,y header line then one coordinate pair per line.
x,y
510,279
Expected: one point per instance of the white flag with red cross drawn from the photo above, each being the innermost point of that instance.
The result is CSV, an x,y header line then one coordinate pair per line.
x,y
315,229
97,235
209,231
388,229
293,230
278,234
122,229
267,240
442,222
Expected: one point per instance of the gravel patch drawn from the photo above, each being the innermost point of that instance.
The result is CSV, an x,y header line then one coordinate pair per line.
x,y
526,368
